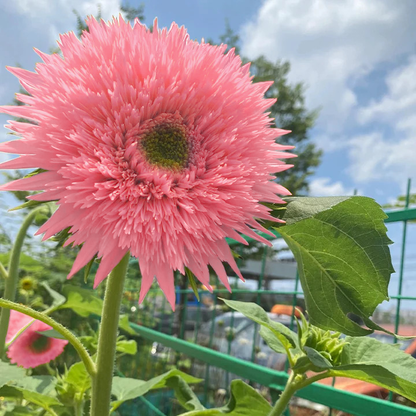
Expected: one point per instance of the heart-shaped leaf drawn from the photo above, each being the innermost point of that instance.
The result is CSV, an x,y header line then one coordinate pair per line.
x,y
344,263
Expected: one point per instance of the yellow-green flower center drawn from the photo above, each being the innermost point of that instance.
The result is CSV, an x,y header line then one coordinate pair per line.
x,y
166,146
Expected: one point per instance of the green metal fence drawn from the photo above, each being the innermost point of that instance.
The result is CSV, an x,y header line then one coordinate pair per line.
x,y
193,339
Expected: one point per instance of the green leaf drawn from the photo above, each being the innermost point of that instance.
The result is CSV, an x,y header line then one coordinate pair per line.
x,y
78,378
184,394
82,301
34,172
303,364
124,324
244,401
287,338
87,268
129,388
341,247
29,204
9,373
316,358
271,340
382,364
301,208
51,333
192,282
127,347
57,298
39,390
18,411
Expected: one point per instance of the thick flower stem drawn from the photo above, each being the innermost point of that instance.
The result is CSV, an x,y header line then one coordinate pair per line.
x,y
13,275
102,381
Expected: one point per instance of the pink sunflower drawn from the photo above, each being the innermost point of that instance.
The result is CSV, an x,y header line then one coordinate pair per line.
x,y
31,349
152,143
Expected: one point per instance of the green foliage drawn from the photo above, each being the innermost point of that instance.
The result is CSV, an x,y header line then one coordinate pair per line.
x,y
386,365
401,202
27,205
51,333
244,401
184,394
88,267
126,346
125,389
124,324
193,282
132,12
57,298
285,338
325,353
9,373
82,301
39,390
78,378
341,247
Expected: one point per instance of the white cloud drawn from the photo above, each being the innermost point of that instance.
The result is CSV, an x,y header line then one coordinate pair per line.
x,y
330,45
32,8
398,106
324,187
52,17
50,8
376,156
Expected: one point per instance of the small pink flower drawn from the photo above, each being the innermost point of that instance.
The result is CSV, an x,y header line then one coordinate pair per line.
x,y
152,143
31,349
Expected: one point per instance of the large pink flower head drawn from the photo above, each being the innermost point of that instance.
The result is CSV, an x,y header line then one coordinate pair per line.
x,y
31,349
152,143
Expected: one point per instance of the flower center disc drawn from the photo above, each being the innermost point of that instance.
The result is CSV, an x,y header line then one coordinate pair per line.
x,y
40,344
166,146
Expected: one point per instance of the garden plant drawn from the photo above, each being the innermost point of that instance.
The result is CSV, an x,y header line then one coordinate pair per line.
x,y
147,144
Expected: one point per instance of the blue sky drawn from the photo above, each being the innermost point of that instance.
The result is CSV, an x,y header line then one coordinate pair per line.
x,y
356,57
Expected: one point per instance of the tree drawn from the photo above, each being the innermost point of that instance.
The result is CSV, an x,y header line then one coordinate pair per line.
x,y
289,113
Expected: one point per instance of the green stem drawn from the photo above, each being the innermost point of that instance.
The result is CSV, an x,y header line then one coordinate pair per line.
x,y
79,407
285,397
13,275
73,340
292,386
19,332
102,381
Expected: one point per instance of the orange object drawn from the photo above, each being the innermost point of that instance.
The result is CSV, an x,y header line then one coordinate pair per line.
x,y
286,310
